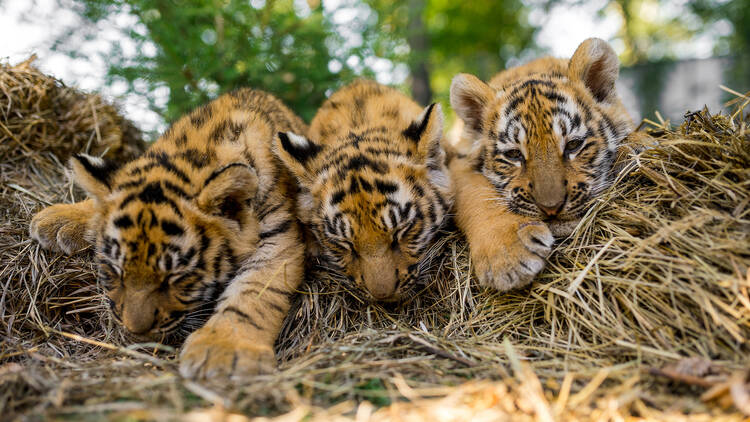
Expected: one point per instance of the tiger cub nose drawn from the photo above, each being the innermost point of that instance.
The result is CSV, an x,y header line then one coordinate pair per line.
x,y
551,210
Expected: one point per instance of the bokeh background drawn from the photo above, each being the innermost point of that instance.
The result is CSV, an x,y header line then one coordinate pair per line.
x,y
160,58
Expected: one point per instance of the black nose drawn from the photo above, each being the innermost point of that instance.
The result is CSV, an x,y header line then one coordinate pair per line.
x,y
551,210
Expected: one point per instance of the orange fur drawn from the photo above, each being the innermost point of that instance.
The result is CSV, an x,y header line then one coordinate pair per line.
x,y
375,189
199,228
539,143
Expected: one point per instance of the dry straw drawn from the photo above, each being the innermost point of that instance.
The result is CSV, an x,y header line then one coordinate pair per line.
x,y
643,312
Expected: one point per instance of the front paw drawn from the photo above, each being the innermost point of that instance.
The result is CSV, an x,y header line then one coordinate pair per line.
x,y
222,351
60,228
513,256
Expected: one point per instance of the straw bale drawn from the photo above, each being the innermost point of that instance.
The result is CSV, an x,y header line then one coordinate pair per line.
x,y
643,312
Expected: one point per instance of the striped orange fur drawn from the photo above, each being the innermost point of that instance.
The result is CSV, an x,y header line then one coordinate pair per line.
x,y
540,142
374,186
197,237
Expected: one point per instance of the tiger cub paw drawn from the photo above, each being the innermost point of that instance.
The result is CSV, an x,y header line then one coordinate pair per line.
x,y
60,228
512,256
221,351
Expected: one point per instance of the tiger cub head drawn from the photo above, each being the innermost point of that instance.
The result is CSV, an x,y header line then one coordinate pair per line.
x,y
546,134
165,244
374,200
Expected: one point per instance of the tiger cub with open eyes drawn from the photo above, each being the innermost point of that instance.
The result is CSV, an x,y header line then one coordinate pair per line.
x,y
201,225
374,186
543,138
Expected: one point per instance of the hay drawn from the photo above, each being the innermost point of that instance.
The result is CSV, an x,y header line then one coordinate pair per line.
x,y
643,312
40,114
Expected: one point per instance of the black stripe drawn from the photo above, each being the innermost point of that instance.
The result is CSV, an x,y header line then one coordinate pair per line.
x,y
172,229
266,210
130,184
195,158
359,162
243,316
385,187
152,194
281,228
216,173
123,222
176,189
416,129
101,172
299,153
337,197
128,199
161,159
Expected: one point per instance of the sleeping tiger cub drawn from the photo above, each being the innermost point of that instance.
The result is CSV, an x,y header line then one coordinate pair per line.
x,y
374,186
200,225
543,140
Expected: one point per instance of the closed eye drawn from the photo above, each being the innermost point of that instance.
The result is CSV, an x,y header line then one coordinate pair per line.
x,y
341,243
405,228
173,279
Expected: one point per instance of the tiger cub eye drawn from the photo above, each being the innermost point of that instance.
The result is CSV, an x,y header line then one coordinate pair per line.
x,y
573,145
513,154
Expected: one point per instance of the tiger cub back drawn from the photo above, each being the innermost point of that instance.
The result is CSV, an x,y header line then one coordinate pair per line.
x,y
543,142
375,188
200,227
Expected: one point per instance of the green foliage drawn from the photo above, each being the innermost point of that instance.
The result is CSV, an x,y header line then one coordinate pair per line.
x,y
190,51
201,48
476,37
657,30
195,50
735,12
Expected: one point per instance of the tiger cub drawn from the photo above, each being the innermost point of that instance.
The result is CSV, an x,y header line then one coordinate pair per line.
x,y
543,140
374,186
200,225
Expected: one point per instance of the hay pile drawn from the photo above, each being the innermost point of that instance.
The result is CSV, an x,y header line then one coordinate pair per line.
x,y
645,312
40,114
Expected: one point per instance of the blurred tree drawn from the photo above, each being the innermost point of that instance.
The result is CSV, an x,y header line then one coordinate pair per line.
x,y
647,33
439,38
734,12
201,48
655,30
193,50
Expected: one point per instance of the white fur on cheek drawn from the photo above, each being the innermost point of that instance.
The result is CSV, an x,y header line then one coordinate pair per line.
x,y
401,197
305,205
439,179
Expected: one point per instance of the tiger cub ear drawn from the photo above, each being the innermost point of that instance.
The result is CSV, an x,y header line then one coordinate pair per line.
x,y
427,131
94,175
297,152
227,191
469,99
596,64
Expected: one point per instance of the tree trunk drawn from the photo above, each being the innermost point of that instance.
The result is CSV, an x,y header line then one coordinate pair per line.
x,y
419,44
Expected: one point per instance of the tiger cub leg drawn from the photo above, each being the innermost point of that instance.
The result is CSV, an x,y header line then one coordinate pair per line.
x,y
63,227
507,250
238,339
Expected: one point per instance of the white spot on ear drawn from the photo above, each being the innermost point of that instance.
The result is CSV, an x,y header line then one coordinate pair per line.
x,y
297,141
499,93
96,161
